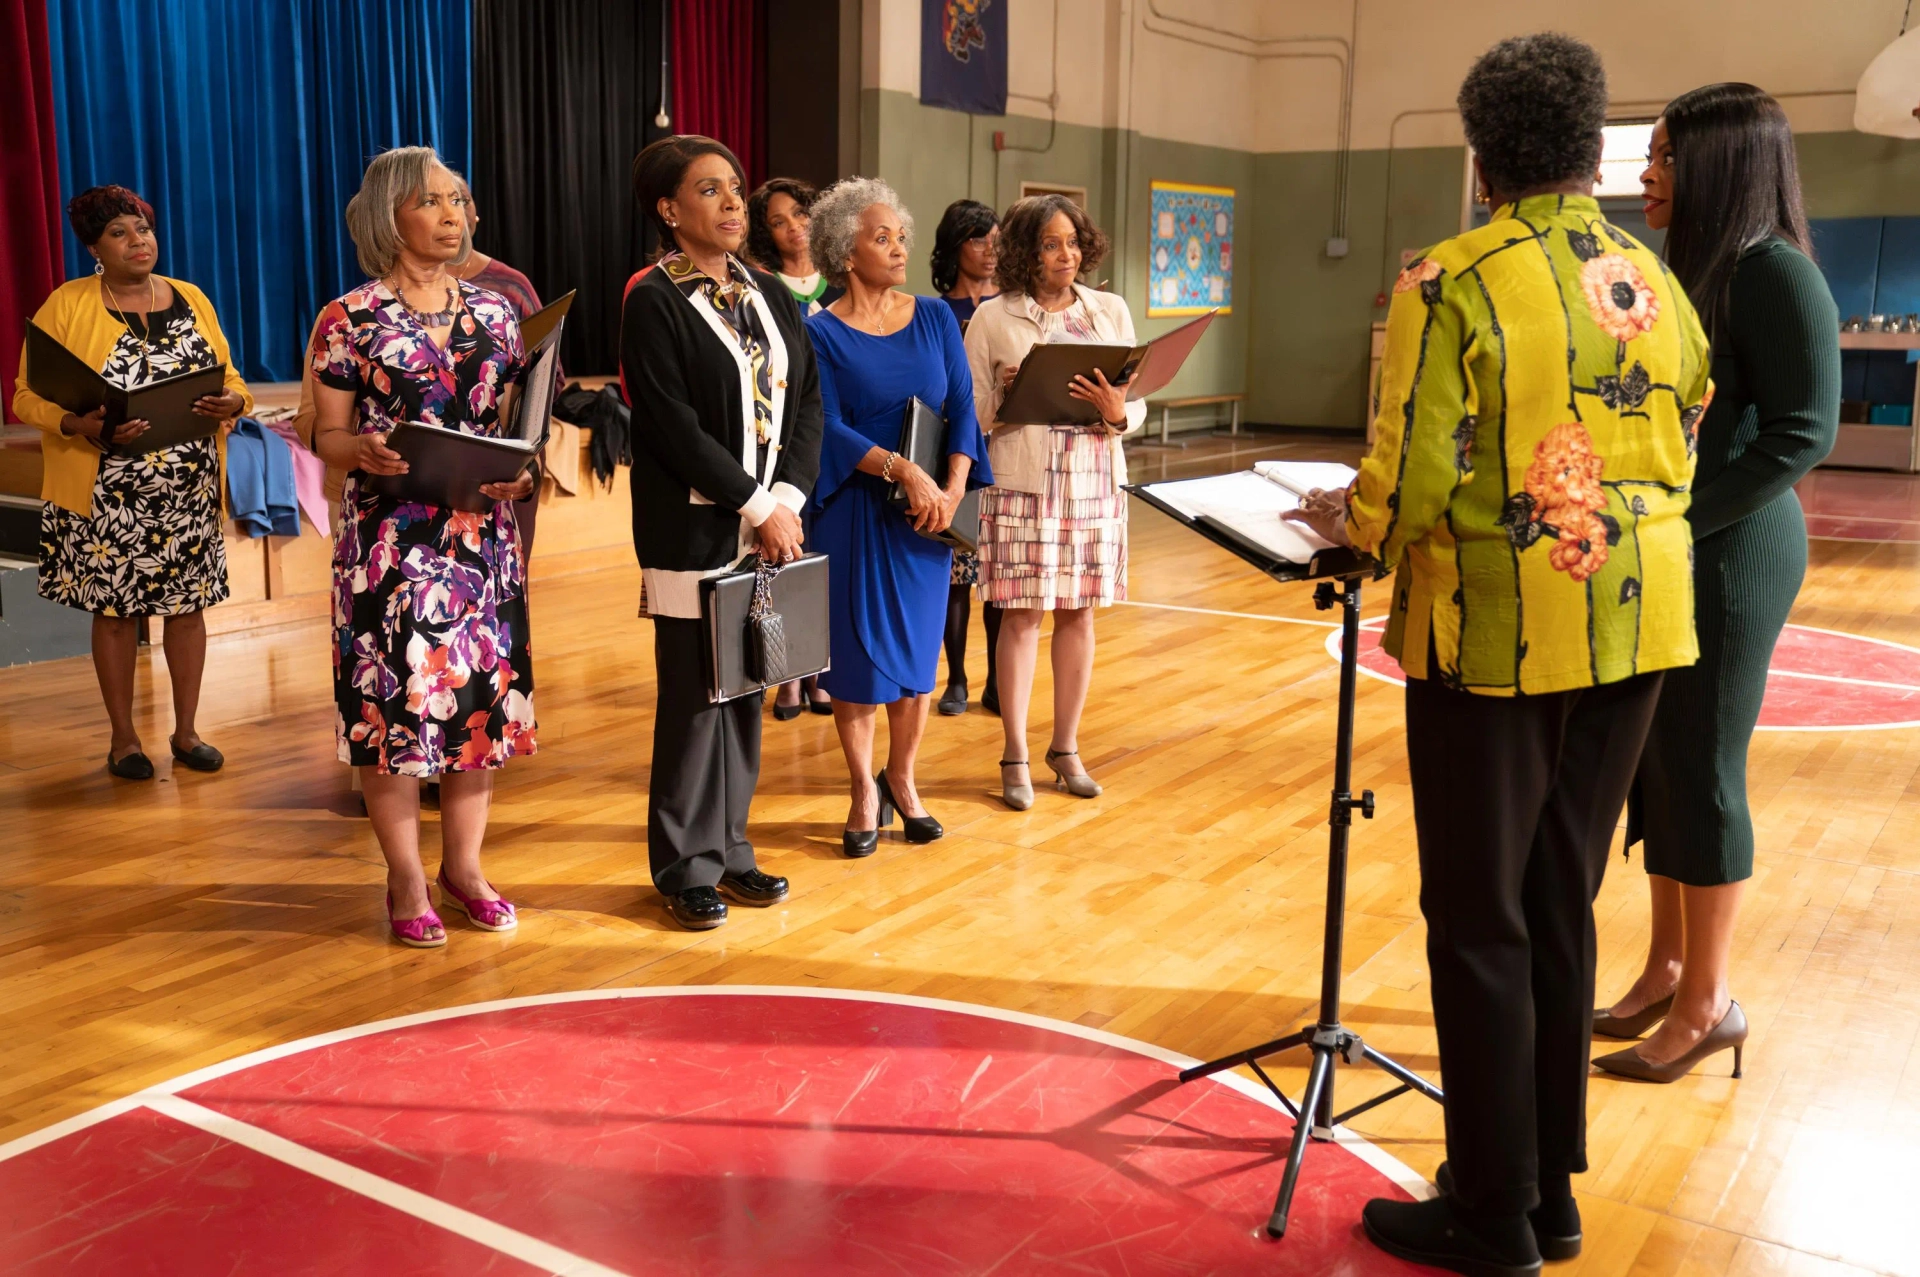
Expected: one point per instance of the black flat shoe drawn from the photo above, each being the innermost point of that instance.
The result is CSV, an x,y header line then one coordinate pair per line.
x,y
1556,1224
955,701
787,713
990,700
1434,1233
135,766
697,908
753,888
859,843
201,758
919,829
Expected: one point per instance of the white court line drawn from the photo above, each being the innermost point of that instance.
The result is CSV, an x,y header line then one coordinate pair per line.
x,y
1239,616
1401,1174
474,1227
1842,678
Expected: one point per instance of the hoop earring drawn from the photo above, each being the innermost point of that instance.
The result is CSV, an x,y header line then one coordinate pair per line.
x,y
99,267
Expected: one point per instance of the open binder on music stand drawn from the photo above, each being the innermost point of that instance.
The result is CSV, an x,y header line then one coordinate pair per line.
x,y
1241,513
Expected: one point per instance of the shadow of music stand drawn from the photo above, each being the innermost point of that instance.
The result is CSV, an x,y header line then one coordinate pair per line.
x,y
1327,1038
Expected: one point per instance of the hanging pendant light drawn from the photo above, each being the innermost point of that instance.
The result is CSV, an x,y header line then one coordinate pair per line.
x,y
1887,99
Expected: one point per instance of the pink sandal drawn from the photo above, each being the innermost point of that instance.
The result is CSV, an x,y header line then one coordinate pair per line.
x,y
488,915
416,932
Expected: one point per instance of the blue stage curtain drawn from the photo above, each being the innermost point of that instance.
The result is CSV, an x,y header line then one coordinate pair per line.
x,y
247,127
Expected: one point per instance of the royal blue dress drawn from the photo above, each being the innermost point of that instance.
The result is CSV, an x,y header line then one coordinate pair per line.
x,y
887,584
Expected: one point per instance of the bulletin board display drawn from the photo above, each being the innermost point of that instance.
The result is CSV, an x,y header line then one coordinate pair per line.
x,y
1190,262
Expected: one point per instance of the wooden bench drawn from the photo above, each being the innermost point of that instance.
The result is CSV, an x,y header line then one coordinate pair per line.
x,y
1166,406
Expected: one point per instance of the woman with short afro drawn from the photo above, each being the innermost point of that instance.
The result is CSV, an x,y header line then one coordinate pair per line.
x,y
1529,481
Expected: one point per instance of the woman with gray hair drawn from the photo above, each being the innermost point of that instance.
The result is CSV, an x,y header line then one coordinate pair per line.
x,y
879,349
431,669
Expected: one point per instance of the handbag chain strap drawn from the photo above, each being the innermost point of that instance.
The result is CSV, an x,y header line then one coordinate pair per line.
x,y
762,590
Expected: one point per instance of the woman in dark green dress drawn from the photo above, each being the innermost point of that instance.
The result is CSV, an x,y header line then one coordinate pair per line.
x,y
1721,180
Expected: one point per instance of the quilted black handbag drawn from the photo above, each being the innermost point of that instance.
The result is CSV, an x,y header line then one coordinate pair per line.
x,y
766,645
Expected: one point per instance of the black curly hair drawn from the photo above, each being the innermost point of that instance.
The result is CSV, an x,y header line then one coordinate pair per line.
x,y
94,209
760,245
1533,108
1023,230
963,220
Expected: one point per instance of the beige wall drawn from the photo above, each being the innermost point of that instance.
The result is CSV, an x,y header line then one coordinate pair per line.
x,y
1246,93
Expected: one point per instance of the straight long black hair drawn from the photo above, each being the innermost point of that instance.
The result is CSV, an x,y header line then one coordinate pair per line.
x,y
1736,182
963,220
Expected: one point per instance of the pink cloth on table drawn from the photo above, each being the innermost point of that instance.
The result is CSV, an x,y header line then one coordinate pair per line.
x,y
309,476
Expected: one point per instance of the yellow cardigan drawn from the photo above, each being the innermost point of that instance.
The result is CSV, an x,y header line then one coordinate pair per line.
x,y
74,315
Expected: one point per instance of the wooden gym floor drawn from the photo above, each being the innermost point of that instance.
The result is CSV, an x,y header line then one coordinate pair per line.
x,y
147,930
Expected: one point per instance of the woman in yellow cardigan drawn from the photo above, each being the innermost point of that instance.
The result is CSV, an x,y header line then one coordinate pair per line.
x,y
127,537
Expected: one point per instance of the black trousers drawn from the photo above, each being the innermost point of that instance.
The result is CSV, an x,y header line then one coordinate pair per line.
x,y
1515,800
706,761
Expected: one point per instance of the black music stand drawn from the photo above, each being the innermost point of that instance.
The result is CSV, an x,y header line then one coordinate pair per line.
x,y
1327,1038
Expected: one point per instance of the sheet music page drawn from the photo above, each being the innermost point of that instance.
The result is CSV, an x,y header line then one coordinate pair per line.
x,y
536,396
1302,477
1251,505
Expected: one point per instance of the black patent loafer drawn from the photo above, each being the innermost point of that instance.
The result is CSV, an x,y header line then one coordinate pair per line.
x,y
1556,1224
1434,1233
697,908
754,888
135,766
201,758
954,702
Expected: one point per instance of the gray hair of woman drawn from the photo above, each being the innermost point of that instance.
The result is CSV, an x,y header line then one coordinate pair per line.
x,y
836,222
393,178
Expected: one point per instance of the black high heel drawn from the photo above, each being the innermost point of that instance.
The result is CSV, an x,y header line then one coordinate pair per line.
x,y
787,713
919,829
859,843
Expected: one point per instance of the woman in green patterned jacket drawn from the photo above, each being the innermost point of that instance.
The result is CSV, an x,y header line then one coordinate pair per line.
x,y
1529,478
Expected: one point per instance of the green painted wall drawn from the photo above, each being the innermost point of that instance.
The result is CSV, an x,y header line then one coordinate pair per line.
x,y
1309,364
1859,175
1296,342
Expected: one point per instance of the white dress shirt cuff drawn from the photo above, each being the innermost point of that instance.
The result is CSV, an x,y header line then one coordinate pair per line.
x,y
789,496
758,506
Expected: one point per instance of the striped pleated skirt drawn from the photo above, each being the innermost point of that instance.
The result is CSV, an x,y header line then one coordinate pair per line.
x,y
1065,546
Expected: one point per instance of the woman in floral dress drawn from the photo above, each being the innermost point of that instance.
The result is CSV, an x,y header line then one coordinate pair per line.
x,y
123,536
432,673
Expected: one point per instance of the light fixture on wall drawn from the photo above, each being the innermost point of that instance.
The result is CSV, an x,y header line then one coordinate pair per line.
x,y
1887,99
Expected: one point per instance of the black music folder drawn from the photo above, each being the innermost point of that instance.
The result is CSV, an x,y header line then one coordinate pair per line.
x,y
1038,395
923,441
446,467
799,596
59,376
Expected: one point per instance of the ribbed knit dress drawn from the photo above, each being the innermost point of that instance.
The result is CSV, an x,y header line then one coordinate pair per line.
x,y
1774,416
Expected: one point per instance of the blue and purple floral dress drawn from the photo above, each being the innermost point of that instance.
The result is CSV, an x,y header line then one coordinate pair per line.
x,y
431,667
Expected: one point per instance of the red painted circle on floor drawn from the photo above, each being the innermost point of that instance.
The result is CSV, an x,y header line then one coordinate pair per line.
x,y
1819,680
698,1131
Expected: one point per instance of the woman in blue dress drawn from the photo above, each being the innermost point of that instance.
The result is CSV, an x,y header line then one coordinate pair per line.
x,y
879,348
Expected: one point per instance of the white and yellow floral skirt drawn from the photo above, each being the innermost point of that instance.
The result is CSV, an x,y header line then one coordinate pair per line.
x,y
151,547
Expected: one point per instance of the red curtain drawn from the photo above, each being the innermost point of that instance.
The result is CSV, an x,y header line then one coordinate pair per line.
x,y
719,75
31,262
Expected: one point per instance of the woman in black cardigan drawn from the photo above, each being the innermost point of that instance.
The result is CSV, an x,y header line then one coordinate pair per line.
x,y
726,435
1721,180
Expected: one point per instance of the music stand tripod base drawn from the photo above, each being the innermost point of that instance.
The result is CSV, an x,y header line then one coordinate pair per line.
x,y
1327,1038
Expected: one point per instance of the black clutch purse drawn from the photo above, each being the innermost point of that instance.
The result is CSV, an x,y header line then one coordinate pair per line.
x,y
764,625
